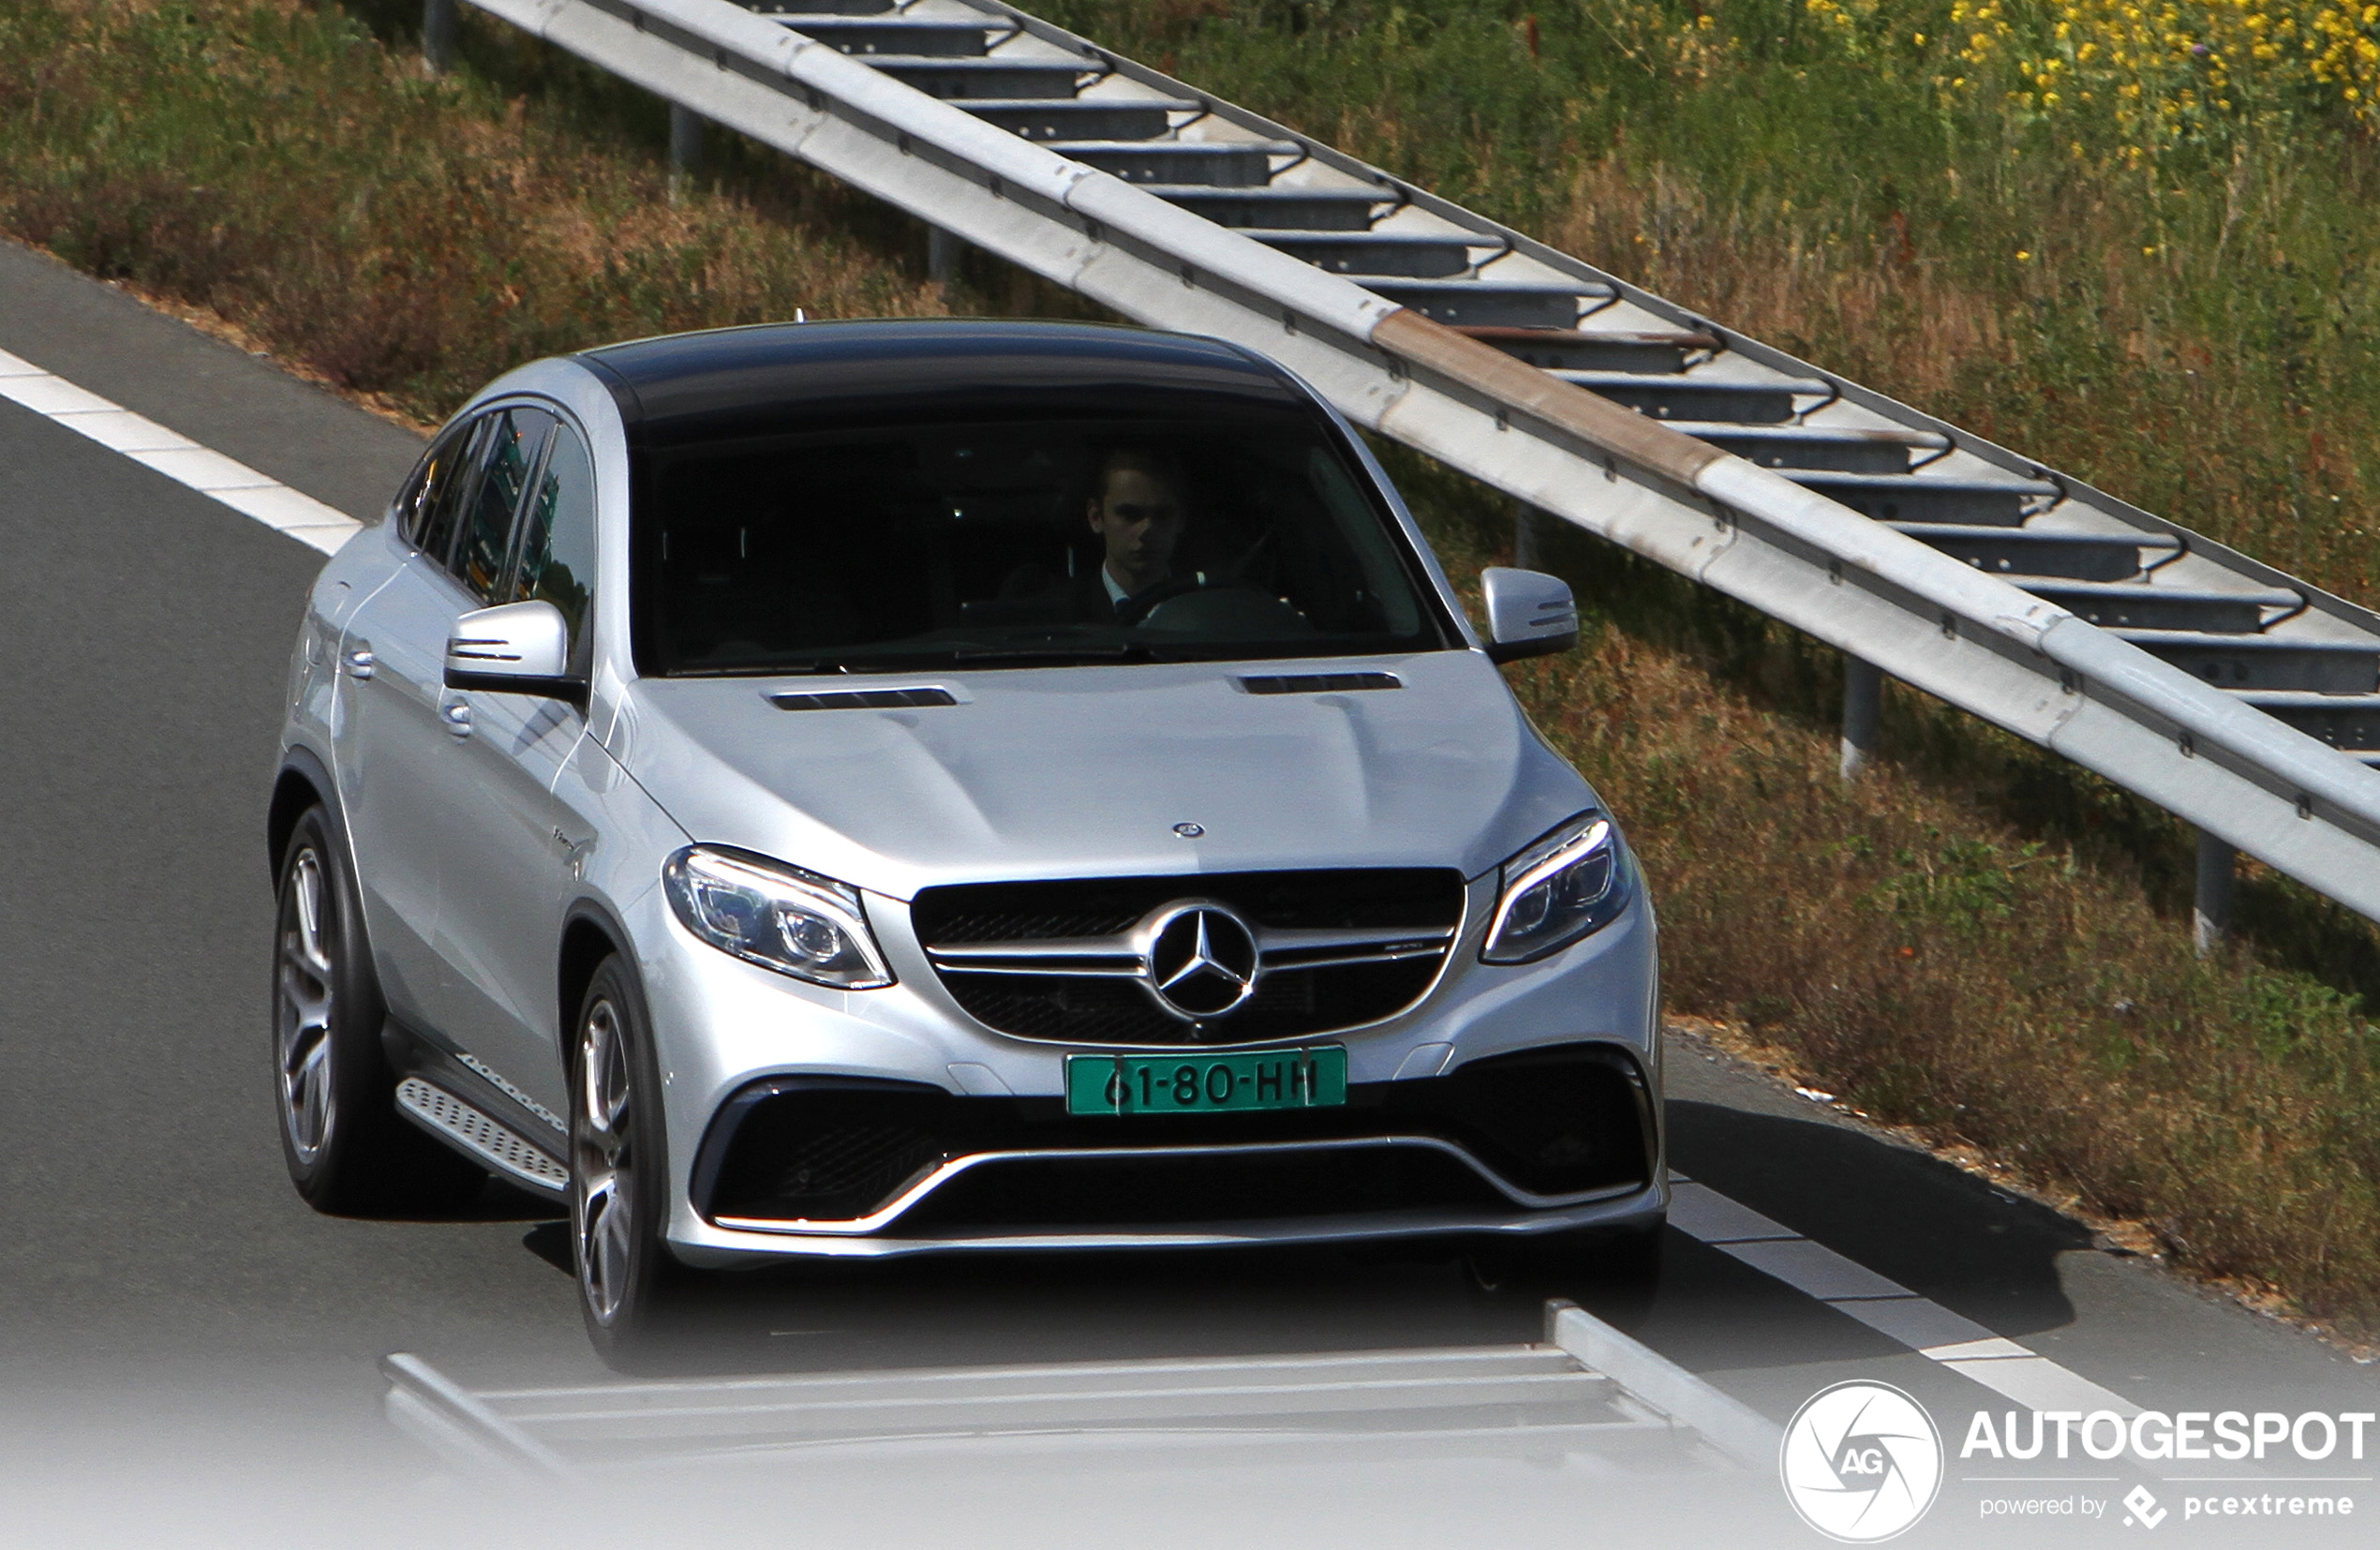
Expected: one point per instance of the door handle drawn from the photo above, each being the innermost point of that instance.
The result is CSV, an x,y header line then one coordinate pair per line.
x,y
358,662
458,716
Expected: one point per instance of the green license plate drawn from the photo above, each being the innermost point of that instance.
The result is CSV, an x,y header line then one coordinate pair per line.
x,y
1311,1078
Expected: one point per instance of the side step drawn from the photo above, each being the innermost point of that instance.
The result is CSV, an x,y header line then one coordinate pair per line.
x,y
459,1125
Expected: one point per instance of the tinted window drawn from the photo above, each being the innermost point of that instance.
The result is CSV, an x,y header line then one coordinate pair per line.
x,y
514,438
444,494
557,540
429,482
1231,535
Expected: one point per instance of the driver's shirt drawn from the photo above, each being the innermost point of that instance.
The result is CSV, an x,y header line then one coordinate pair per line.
x,y
1118,596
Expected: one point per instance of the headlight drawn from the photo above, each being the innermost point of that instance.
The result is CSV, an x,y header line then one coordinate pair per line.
x,y
1573,882
793,922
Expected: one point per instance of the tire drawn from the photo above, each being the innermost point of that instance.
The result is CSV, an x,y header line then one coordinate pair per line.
x,y
348,1153
632,1291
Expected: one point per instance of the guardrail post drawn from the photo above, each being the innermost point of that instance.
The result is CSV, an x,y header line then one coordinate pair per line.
x,y
942,256
685,148
1863,705
438,35
2210,912
1524,535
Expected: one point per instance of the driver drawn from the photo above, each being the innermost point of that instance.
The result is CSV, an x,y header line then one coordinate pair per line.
x,y
1137,509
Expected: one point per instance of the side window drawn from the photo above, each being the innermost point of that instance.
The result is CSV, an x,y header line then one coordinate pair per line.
x,y
430,526
557,542
514,438
429,481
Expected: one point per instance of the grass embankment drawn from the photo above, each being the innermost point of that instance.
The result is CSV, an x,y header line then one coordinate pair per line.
x,y
1976,940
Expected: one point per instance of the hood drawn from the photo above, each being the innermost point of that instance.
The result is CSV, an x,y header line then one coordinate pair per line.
x,y
1086,771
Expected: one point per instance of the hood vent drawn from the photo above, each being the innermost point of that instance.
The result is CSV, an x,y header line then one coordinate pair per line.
x,y
1319,683
862,699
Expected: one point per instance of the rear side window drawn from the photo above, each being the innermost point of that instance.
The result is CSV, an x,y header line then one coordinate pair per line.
x,y
513,438
557,540
431,506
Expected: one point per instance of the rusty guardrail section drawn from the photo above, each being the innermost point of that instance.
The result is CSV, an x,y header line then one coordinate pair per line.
x,y
2245,701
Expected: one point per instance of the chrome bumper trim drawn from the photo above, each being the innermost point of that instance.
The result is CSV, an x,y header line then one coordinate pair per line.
x,y
952,1167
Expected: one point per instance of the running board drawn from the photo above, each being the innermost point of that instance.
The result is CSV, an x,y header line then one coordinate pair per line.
x,y
484,1139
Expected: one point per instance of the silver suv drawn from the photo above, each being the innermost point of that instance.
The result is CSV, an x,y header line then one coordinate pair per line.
x,y
864,789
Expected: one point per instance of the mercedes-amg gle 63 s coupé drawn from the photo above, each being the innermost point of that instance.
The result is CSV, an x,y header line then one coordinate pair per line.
x,y
865,789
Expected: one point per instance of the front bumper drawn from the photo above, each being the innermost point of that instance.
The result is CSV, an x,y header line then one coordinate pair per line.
x,y
989,1161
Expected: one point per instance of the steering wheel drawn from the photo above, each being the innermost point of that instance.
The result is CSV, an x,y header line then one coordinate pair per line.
x,y
1230,611
1136,609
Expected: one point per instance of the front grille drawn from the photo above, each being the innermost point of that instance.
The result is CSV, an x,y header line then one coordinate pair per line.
x,y
1290,1001
1574,1119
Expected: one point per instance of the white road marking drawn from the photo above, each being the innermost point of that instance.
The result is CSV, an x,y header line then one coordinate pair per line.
x,y
1885,1305
175,456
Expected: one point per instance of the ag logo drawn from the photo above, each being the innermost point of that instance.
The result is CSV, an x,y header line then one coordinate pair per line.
x,y
1861,1462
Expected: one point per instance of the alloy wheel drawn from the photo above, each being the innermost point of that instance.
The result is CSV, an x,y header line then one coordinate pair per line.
x,y
303,997
602,1172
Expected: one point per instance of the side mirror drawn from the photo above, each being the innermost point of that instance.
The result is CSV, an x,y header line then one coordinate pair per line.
x,y
520,648
1529,614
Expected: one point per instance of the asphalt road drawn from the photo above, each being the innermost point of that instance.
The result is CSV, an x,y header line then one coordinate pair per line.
x,y
162,1288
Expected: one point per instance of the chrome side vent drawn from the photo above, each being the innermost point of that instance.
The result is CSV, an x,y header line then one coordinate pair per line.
x,y
862,699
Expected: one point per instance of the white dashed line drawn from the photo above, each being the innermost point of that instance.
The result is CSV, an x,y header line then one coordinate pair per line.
x,y
1885,1305
175,456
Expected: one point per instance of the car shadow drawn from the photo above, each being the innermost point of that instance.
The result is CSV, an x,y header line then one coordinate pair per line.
x,y
551,1243
1977,1249
495,1201
1090,1306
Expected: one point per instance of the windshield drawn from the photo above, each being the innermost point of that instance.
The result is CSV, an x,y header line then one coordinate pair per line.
x,y
999,544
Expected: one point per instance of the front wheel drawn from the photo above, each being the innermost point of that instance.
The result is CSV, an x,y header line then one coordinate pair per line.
x,y
346,1150
632,1289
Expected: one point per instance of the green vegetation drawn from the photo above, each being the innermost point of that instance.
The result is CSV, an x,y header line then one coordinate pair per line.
x,y
2169,290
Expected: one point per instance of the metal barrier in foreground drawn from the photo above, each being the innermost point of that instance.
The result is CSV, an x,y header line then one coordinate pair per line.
x,y
1586,1393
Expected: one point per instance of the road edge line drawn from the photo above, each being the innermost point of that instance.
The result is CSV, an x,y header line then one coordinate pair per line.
x,y
141,439
1932,1331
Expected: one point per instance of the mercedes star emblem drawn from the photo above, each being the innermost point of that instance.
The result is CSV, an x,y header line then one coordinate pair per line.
x,y
1201,960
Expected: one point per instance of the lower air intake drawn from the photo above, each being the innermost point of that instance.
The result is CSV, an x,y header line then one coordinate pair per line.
x,y
1552,1124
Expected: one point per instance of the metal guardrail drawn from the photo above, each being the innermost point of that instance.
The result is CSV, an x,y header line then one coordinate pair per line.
x,y
2236,697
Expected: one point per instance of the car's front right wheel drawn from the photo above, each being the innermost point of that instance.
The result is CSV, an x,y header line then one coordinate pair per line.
x,y
632,1289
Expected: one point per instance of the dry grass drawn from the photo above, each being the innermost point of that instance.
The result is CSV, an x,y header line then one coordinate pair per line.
x,y
1978,941
397,234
